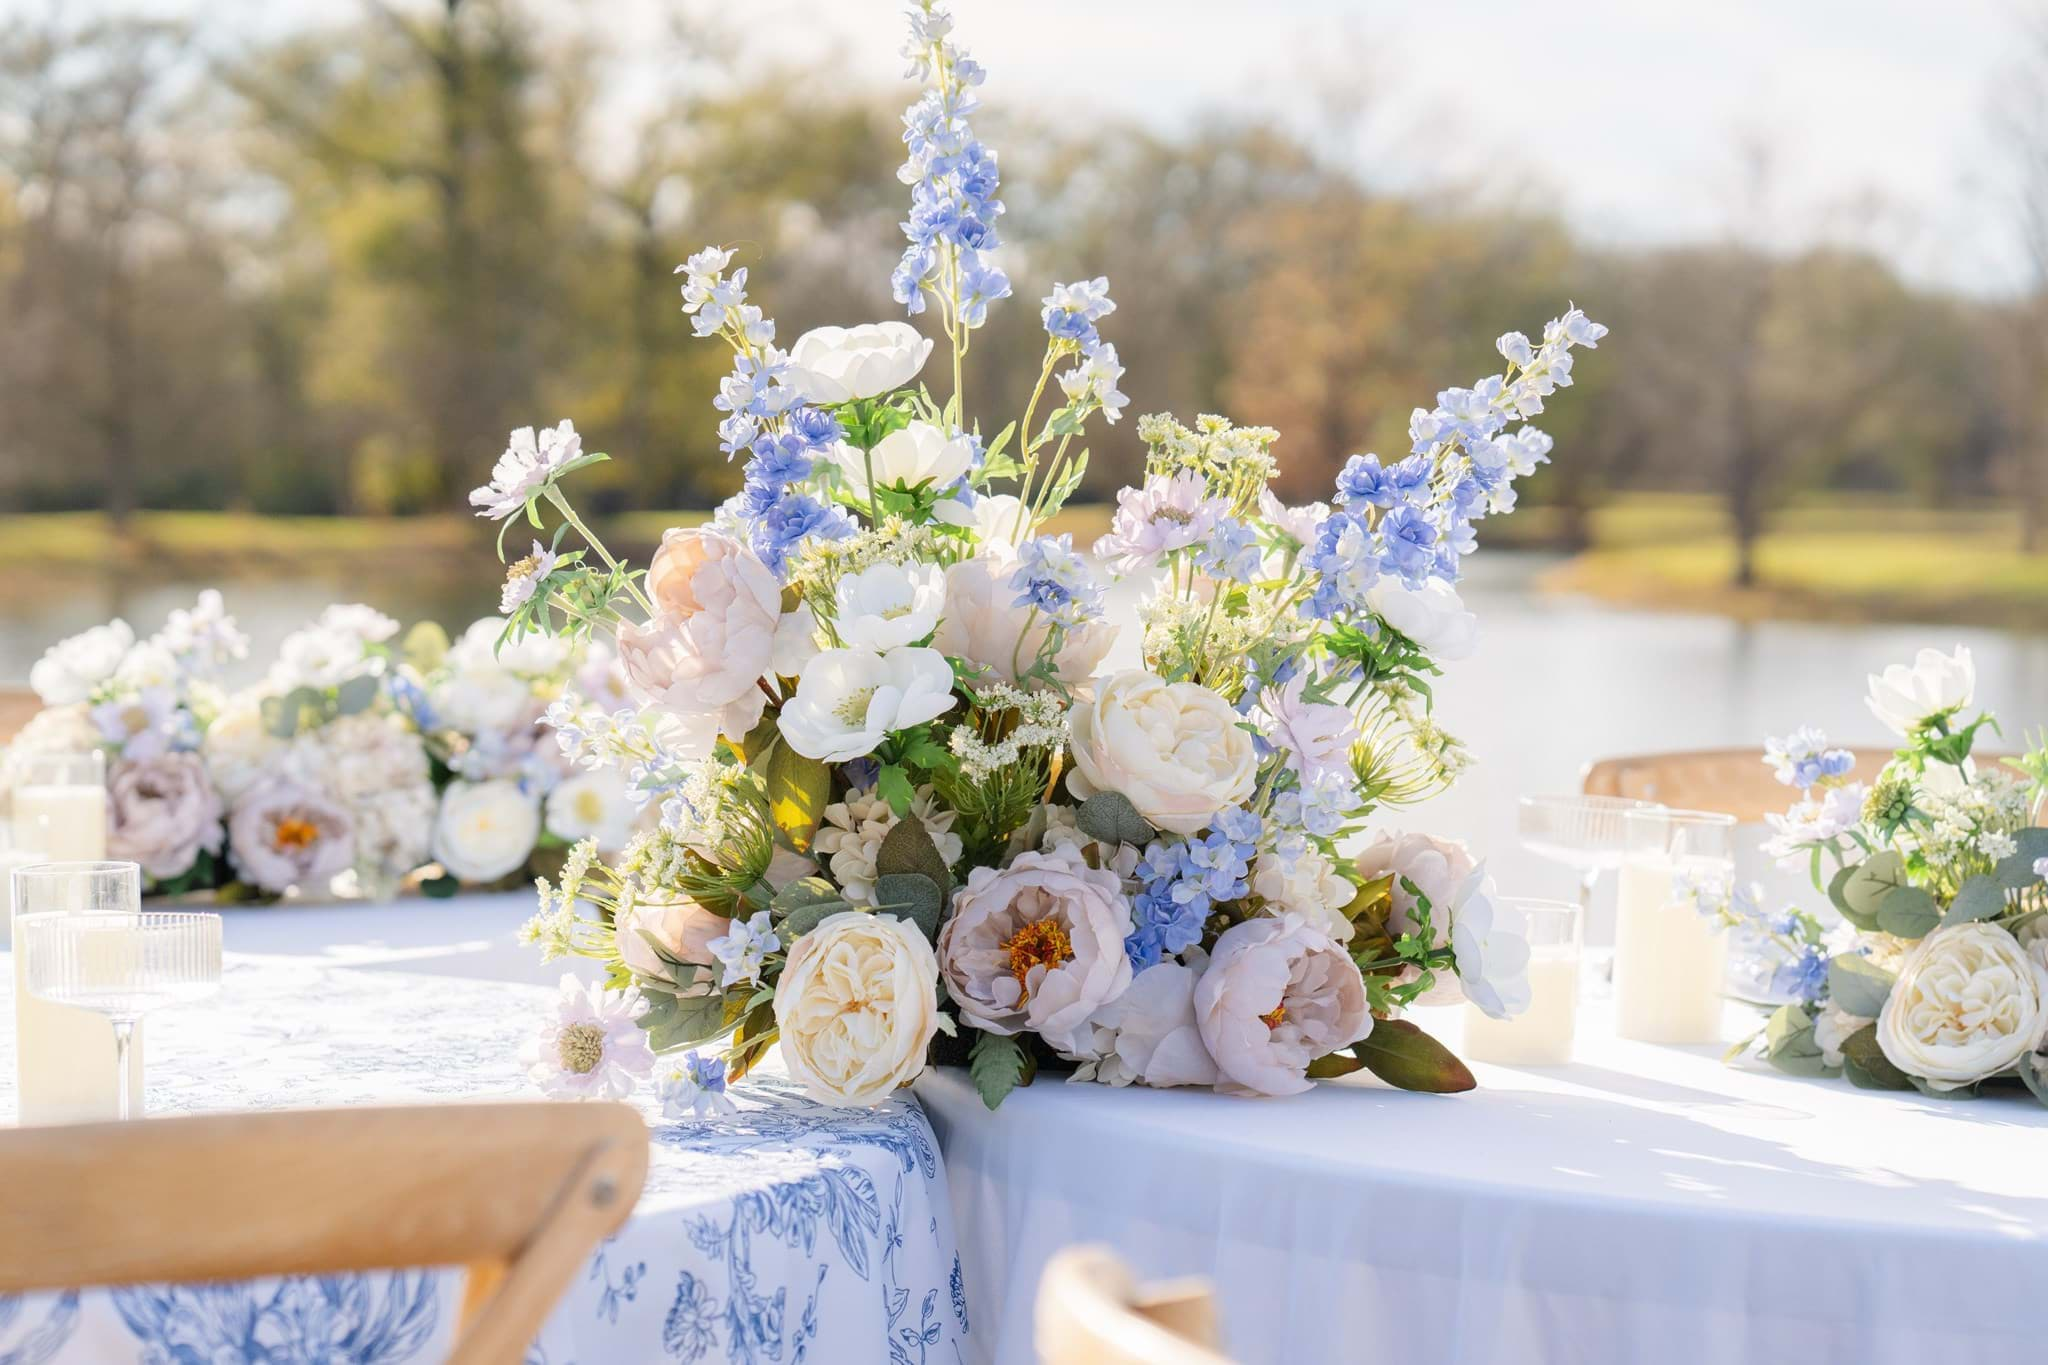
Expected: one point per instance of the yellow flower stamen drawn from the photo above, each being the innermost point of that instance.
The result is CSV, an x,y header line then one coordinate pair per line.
x,y
1041,943
292,831
1275,1018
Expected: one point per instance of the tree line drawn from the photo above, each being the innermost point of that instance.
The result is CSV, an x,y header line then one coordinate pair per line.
x,y
326,272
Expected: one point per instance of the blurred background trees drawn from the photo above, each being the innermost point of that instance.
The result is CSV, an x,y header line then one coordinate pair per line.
x,y
326,272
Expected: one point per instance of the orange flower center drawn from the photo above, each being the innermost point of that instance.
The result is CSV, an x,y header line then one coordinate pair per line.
x,y
292,831
1276,1018
1041,943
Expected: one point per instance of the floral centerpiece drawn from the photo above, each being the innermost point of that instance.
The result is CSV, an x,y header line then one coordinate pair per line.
x,y
356,761
919,793
1939,865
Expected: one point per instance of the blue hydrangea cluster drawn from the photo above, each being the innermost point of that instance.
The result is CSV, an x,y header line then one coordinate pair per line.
x,y
1057,581
953,180
1803,759
1321,807
1181,881
1412,520
765,418
1231,552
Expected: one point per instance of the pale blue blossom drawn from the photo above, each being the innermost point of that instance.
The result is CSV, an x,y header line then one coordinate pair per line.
x,y
1803,758
744,948
1072,310
696,1089
1057,581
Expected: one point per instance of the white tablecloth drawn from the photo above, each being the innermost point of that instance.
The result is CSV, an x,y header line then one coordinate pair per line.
x,y
787,1232
1644,1204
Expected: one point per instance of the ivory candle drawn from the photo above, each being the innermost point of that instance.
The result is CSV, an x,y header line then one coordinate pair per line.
x,y
1669,960
1542,1034
64,822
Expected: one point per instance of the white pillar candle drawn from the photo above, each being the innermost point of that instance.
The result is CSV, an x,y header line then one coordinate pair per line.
x,y
1542,1034
64,822
1669,959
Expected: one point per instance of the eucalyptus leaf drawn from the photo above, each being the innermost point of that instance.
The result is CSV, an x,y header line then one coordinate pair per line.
x,y
356,695
1866,1065
2016,872
908,847
1967,1092
912,896
1979,898
2034,1073
1789,1044
1837,889
280,718
1858,985
997,1065
1405,1057
674,1021
1110,817
1862,891
1908,912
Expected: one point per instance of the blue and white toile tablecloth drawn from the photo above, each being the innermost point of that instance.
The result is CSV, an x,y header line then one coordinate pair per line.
x,y
786,1233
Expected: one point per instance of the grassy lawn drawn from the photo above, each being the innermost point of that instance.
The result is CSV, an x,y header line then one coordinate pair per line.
x,y
1844,559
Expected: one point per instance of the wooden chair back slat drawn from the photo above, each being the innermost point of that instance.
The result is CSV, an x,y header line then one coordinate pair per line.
x,y
1734,782
519,1193
1090,1312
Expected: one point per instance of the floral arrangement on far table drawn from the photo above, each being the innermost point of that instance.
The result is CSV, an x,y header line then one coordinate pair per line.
x,y
921,796
1940,866
357,761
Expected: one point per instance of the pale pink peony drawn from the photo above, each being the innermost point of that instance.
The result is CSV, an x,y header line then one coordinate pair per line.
x,y
1037,945
982,623
1278,994
681,929
162,813
1438,867
1148,1035
282,835
713,635
1174,749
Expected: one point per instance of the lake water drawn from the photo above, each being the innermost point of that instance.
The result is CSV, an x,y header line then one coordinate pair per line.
x,y
1556,682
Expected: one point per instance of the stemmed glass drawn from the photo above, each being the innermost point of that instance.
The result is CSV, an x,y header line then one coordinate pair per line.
x,y
120,964
1582,832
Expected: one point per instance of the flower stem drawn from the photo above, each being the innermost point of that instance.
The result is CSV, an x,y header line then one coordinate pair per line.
x,y
590,538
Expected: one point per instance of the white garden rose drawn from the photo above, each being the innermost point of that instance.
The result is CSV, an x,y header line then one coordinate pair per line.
x,y
1968,1003
840,364
486,830
857,1005
1433,616
886,606
1904,697
238,747
920,453
1308,885
70,670
1174,749
1832,1027
595,804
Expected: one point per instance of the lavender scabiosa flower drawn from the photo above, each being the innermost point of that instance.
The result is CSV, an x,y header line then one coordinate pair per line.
x,y
532,461
1164,514
594,1047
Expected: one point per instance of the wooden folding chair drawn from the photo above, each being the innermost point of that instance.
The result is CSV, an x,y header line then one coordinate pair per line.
x,y
1733,782
1091,1312
518,1194
18,706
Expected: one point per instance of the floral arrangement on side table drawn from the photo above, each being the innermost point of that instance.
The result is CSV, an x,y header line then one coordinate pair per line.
x,y
909,807
355,762
1941,869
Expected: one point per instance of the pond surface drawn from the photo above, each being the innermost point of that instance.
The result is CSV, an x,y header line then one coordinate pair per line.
x,y
1556,681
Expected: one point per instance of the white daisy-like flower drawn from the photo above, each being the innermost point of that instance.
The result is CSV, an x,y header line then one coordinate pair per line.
x,y
594,1047
524,577
531,461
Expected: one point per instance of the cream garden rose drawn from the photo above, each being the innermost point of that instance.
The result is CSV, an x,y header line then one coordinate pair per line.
x,y
1174,749
857,1006
1968,1003
486,830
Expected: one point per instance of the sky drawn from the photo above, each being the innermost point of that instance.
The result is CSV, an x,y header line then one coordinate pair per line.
x,y
1624,115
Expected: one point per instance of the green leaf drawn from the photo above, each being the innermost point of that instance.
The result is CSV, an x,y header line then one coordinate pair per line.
x,y
280,718
998,1065
1069,480
912,896
1908,912
799,906
2034,1072
1789,1044
1866,1065
1858,985
2016,872
798,790
356,695
1979,898
1967,1092
892,784
908,847
440,888
1859,891
1405,1057
674,1020
1110,817
1331,1067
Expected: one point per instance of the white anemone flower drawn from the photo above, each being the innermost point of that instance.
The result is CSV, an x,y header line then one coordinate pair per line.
x,y
997,520
885,606
596,805
843,364
594,1047
531,461
1906,697
1492,960
849,700
917,454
